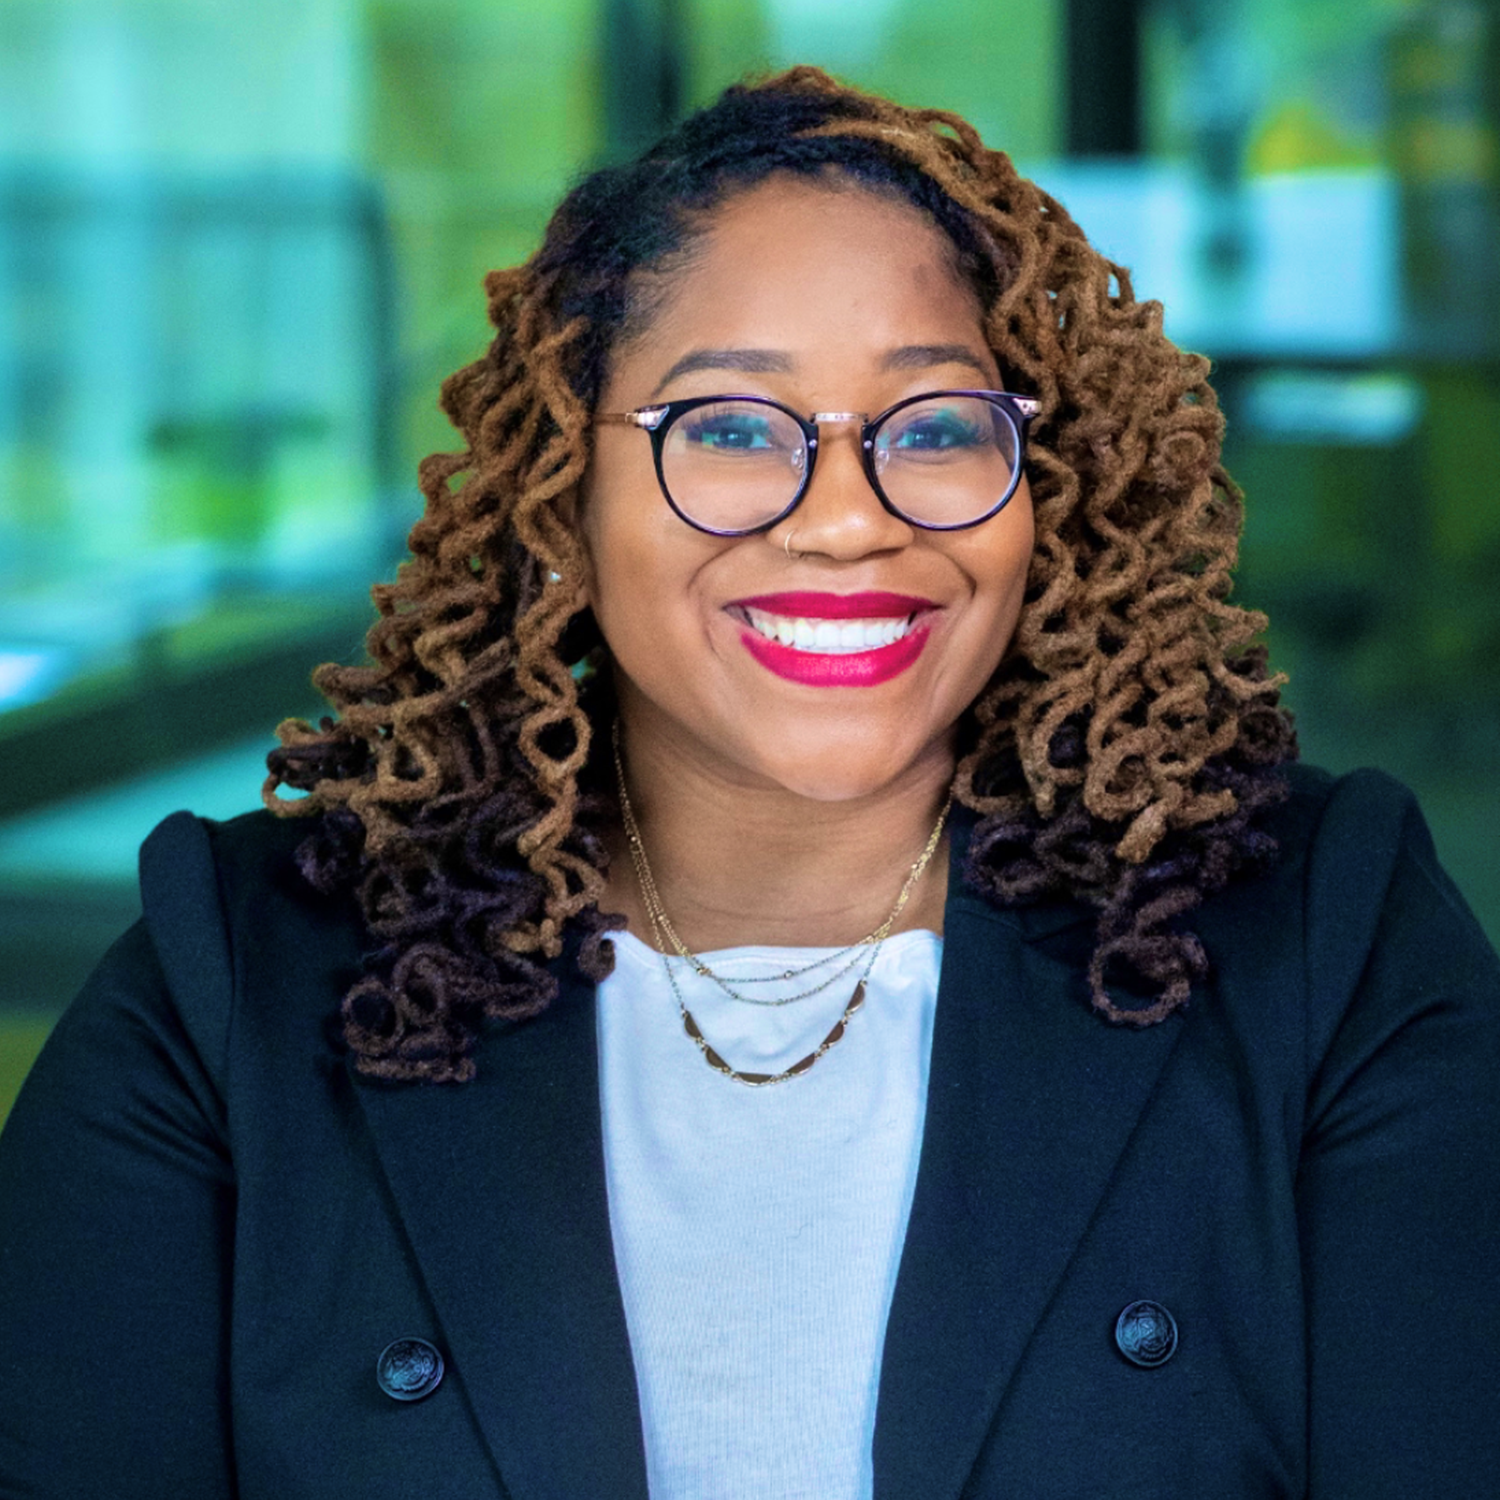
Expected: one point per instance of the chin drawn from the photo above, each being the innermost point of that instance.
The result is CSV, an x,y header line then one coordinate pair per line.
x,y
837,775
831,788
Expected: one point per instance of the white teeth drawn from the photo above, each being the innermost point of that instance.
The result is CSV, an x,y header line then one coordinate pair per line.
x,y
828,637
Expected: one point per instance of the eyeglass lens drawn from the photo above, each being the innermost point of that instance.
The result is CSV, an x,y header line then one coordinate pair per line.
x,y
945,460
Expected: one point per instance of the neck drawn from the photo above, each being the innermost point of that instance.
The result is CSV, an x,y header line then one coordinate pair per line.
x,y
739,861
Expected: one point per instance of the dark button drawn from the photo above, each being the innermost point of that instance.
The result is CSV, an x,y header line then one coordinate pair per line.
x,y
1146,1334
409,1369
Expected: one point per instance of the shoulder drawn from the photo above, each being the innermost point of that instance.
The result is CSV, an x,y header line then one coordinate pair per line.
x,y
244,942
1362,816
185,856
203,880
1348,847
1356,931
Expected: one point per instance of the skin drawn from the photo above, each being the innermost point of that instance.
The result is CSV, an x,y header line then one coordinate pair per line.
x,y
776,811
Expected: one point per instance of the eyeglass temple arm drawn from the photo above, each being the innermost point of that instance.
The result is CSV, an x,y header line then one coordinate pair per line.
x,y
648,417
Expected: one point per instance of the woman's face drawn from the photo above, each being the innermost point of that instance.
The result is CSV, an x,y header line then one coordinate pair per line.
x,y
828,300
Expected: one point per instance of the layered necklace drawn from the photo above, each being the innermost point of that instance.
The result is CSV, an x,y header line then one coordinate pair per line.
x,y
859,956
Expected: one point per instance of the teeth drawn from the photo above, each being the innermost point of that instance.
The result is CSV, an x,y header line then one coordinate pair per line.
x,y
828,637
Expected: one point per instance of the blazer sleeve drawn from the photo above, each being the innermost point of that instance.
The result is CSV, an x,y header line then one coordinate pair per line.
x,y
116,1210
1399,1181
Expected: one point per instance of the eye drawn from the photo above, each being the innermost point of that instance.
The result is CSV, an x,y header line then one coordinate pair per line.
x,y
735,430
933,429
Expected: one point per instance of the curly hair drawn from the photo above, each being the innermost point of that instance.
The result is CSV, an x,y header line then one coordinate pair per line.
x,y
1122,755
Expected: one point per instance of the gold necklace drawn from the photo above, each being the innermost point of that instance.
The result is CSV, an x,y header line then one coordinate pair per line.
x,y
662,926
663,933
666,934
764,1080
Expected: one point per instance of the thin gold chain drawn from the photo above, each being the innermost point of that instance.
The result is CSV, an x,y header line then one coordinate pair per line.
x,y
664,933
801,1066
662,927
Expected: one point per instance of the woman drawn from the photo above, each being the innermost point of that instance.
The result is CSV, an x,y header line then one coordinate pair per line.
x,y
844,989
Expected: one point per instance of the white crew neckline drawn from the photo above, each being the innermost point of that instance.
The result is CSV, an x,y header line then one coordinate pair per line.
x,y
758,1231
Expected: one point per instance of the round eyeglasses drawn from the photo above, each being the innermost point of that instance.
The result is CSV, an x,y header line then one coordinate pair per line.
x,y
735,465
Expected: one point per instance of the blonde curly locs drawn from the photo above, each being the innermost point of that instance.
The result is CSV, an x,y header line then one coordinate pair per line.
x,y
448,787
482,603
1117,757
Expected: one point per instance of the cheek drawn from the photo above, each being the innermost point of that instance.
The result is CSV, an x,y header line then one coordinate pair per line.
x,y
605,513
639,566
1001,561
998,566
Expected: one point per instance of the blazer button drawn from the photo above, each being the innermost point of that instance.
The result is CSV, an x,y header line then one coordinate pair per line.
x,y
409,1369
1146,1334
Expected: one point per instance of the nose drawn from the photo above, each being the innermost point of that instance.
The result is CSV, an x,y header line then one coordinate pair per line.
x,y
840,515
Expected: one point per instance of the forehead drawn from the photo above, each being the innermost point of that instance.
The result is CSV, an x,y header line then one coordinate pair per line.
x,y
798,265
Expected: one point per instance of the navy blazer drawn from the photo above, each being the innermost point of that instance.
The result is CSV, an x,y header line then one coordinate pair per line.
x,y
210,1226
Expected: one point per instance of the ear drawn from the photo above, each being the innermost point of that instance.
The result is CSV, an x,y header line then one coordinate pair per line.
x,y
581,640
582,644
568,505
569,510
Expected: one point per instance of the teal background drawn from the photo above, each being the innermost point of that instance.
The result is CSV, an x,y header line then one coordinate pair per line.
x,y
240,247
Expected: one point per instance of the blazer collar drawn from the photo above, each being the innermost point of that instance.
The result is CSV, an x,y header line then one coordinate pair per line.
x,y
500,1183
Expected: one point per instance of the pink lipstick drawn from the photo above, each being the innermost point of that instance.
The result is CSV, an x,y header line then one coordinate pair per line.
x,y
834,640
840,669
872,605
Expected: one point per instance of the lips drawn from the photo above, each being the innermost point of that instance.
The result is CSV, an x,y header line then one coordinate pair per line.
x,y
834,640
871,605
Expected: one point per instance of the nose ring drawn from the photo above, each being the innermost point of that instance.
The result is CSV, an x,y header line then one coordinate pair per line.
x,y
787,546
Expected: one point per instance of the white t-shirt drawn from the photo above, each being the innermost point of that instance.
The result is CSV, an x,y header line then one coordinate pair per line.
x,y
757,1232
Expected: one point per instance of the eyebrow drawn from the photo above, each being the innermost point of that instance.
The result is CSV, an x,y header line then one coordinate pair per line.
x,y
924,356
748,361
775,362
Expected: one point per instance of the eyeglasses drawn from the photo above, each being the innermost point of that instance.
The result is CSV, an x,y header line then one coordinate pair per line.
x,y
735,465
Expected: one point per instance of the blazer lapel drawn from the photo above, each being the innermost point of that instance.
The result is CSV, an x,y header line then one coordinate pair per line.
x,y
1031,1103
500,1184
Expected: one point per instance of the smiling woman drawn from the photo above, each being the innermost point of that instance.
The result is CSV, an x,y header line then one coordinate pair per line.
x,y
855,304
839,985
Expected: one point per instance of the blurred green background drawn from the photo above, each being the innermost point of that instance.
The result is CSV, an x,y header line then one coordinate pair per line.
x,y
241,245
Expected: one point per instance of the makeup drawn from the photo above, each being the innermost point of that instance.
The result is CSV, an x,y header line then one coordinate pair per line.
x,y
870,605
834,640
841,669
